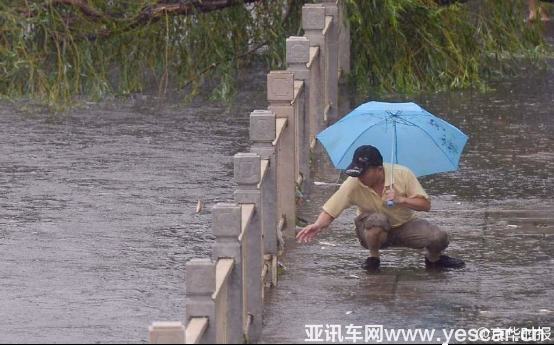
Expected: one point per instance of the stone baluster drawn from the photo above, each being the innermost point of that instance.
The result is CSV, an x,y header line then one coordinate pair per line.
x,y
313,23
280,94
226,225
262,134
331,9
201,285
344,40
298,55
247,176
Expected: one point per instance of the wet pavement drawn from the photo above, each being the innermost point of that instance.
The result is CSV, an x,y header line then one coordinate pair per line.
x,y
498,209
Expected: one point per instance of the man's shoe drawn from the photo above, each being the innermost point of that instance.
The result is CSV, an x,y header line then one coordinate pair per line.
x,y
445,261
371,264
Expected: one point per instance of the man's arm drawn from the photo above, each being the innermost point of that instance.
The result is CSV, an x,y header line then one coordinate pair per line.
x,y
311,231
416,204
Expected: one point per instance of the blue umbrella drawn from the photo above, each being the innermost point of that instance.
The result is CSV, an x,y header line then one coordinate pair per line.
x,y
405,134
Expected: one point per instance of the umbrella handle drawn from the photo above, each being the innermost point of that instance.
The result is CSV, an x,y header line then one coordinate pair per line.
x,y
390,203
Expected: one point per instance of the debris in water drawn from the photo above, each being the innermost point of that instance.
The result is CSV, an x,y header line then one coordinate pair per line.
x,y
349,312
199,206
326,184
512,226
327,244
354,276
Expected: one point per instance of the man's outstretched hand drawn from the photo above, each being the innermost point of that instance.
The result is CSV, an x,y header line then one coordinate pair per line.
x,y
308,233
311,231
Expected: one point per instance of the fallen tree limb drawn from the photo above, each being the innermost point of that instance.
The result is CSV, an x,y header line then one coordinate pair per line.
x,y
186,8
87,10
147,15
163,8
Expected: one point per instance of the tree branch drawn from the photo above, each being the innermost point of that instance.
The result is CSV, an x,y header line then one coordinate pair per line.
x,y
250,51
162,9
84,8
186,8
149,15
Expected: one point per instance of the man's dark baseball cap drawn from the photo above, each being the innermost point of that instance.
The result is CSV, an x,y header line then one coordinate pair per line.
x,y
365,157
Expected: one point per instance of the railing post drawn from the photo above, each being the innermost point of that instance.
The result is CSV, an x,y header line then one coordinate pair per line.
x,y
344,40
313,23
332,51
247,176
226,225
280,94
262,134
201,284
167,333
298,56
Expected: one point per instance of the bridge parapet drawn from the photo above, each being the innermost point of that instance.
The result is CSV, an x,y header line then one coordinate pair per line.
x,y
226,292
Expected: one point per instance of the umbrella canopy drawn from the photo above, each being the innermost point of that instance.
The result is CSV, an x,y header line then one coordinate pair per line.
x,y
405,134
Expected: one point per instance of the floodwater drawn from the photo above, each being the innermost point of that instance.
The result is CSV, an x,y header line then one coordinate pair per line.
x,y
98,212
98,219
498,209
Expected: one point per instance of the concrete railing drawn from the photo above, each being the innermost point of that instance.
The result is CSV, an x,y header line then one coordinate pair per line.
x,y
226,292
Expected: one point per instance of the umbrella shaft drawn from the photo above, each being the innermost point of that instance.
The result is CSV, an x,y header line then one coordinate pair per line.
x,y
393,151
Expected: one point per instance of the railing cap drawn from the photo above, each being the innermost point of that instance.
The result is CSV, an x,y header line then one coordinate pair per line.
x,y
313,17
226,220
298,50
247,168
262,126
280,86
200,277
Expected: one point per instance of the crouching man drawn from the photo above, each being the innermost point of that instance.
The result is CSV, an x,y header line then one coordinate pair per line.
x,y
378,225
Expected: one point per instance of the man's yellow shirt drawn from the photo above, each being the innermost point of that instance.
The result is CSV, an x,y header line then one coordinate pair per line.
x,y
354,193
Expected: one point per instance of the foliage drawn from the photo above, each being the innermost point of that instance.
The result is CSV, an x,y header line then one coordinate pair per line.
x,y
56,52
412,45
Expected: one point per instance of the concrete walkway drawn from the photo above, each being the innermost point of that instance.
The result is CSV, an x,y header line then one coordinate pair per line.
x,y
498,209
507,281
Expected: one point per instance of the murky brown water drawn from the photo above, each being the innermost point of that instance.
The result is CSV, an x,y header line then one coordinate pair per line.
x,y
98,213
